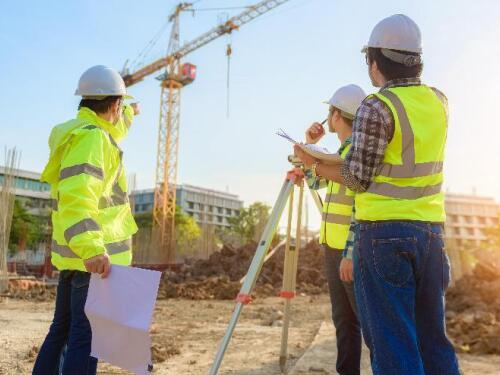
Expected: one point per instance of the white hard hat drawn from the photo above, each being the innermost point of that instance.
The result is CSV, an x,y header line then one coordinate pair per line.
x,y
397,32
347,99
101,81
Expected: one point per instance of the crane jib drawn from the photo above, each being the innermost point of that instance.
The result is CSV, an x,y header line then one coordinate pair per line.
x,y
227,27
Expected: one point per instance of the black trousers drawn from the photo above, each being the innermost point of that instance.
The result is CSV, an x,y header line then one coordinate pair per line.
x,y
344,315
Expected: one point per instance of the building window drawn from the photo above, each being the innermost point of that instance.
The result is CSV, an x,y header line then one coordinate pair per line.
x,y
200,207
228,211
470,231
210,208
457,231
468,219
219,219
236,213
219,210
482,220
190,205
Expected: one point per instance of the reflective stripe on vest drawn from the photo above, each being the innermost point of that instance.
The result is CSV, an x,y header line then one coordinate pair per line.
x,y
408,185
409,168
337,213
340,197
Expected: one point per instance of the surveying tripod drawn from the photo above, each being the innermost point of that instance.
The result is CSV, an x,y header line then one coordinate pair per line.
x,y
292,250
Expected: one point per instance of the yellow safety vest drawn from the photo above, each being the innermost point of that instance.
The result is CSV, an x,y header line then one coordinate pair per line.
x,y
409,181
91,212
337,213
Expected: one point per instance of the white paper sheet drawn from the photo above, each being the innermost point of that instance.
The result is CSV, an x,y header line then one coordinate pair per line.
x,y
120,309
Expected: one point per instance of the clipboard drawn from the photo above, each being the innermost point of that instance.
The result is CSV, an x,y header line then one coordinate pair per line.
x,y
315,151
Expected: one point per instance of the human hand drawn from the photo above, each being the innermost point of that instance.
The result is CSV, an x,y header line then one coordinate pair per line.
x,y
99,264
346,270
315,133
297,174
136,107
307,159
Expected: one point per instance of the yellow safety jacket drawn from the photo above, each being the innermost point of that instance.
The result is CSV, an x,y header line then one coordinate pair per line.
x,y
91,212
337,213
409,181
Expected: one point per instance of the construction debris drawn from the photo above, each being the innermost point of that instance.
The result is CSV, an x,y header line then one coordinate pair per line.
x,y
473,311
219,276
30,289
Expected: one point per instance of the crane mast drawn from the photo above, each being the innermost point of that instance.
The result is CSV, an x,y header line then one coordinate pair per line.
x,y
175,76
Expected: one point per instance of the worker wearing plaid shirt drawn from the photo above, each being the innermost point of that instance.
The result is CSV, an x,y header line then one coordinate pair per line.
x,y
401,270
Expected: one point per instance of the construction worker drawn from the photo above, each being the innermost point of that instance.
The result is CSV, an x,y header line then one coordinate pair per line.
x,y
92,221
337,213
395,167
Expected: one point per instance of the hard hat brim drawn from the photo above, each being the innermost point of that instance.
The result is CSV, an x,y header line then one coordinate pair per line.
x,y
100,97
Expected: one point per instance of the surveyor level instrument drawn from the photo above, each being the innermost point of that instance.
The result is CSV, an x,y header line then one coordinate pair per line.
x,y
292,248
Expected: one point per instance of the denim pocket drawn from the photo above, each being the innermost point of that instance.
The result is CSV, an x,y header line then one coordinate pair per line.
x,y
392,258
80,280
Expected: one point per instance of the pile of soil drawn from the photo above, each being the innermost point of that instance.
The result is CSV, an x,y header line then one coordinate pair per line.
x,y
218,277
473,311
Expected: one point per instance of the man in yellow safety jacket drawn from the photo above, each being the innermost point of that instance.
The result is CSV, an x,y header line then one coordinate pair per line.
x,y
335,225
91,218
395,167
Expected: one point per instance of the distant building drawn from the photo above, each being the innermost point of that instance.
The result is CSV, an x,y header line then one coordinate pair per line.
x,y
35,195
206,206
466,218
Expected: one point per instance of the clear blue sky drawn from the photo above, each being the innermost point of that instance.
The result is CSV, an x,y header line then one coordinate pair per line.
x,y
284,64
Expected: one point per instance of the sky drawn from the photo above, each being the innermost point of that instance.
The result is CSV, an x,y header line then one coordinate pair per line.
x,y
284,64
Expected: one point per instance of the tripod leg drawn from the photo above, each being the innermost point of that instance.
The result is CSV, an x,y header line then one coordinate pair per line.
x,y
243,297
317,200
290,279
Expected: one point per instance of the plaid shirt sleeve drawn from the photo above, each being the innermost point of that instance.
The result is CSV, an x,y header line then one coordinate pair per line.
x,y
373,128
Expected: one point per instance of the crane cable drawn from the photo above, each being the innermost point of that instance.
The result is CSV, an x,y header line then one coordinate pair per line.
x,y
229,52
147,49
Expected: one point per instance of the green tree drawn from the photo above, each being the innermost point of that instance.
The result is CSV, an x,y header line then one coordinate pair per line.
x,y
187,230
27,230
247,226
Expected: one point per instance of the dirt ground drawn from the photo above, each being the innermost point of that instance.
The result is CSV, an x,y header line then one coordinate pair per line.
x,y
186,335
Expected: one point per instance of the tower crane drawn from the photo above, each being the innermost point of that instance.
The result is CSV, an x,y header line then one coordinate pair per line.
x,y
175,76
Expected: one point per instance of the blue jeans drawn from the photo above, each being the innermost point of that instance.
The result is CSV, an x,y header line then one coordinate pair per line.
x,y
69,328
344,316
401,272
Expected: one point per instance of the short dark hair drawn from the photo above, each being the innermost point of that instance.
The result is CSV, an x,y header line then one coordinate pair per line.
x,y
391,69
99,105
